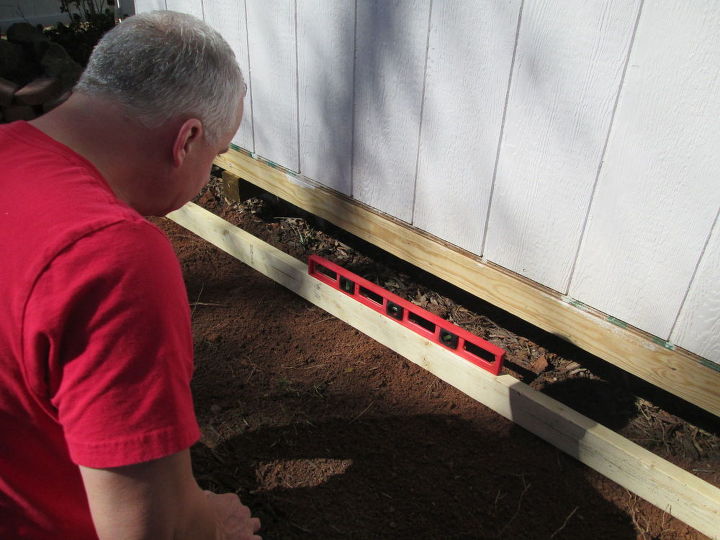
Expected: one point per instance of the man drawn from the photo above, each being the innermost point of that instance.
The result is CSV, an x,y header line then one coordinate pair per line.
x,y
96,415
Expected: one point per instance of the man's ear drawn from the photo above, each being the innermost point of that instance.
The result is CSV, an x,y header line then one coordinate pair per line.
x,y
189,134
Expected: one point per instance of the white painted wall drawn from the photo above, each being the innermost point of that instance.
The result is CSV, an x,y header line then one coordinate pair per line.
x,y
465,91
326,44
228,17
390,51
573,142
698,325
659,188
193,7
273,65
149,5
568,67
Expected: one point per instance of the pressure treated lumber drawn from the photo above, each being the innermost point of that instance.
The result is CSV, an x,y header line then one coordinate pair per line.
x,y
675,370
670,488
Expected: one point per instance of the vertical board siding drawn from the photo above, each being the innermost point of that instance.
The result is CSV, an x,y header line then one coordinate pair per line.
x,y
193,7
390,52
568,67
142,6
271,42
698,326
658,192
598,177
465,89
326,42
228,18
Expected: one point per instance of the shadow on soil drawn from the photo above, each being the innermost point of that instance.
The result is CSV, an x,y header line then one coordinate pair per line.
x,y
424,476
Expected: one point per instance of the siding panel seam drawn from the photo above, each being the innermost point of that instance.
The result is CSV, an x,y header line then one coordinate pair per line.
x,y
604,151
502,130
422,109
694,275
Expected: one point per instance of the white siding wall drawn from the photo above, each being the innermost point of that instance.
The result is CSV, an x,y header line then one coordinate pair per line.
x,y
465,91
326,46
573,142
273,65
568,67
228,18
659,188
390,52
193,7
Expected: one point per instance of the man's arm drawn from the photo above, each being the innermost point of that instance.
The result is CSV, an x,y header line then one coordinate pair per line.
x,y
160,499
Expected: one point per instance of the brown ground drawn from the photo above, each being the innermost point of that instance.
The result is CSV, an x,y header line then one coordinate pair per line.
x,y
324,433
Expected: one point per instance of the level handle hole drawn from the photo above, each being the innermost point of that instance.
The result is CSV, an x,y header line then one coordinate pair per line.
x,y
375,297
478,351
326,271
422,322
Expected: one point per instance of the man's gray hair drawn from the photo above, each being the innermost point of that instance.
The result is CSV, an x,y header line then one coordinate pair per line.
x,y
164,65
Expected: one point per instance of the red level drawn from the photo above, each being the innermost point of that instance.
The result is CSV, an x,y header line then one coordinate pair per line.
x,y
461,342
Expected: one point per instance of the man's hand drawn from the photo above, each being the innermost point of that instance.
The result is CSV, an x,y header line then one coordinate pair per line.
x,y
233,518
160,499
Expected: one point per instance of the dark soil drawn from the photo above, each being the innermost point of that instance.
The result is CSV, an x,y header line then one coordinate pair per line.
x,y
325,433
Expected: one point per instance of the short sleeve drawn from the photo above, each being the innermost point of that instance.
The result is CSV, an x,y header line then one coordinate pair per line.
x,y
108,344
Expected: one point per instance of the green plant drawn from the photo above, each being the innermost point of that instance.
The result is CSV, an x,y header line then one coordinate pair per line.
x,y
85,10
89,20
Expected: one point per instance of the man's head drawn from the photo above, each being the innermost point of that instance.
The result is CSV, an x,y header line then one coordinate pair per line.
x,y
161,96
166,65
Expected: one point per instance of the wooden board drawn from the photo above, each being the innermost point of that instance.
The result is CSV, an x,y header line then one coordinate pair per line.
x,y
658,193
568,67
326,46
465,90
228,18
698,326
391,42
672,369
672,489
192,7
273,65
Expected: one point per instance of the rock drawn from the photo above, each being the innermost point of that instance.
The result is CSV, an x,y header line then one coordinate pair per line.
x,y
38,91
18,112
56,62
11,57
24,34
7,91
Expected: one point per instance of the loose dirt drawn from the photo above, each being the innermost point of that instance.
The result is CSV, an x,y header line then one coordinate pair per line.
x,y
324,433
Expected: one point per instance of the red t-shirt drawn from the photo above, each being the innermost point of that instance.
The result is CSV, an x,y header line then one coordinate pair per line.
x,y
95,340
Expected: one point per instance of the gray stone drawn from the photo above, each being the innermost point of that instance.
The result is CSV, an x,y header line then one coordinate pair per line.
x,y
38,92
7,91
56,62
11,58
24,34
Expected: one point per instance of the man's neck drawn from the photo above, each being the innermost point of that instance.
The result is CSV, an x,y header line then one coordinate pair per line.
x,y
123,150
